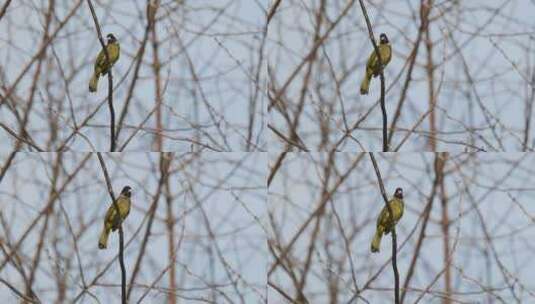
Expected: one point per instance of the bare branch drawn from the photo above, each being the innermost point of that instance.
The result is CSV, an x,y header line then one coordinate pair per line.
x,y
393,232
120,226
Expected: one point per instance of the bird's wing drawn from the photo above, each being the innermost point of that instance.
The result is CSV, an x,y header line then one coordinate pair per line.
x,y
113,52
110,214
101,59
397,211
386,54
383,217
372,60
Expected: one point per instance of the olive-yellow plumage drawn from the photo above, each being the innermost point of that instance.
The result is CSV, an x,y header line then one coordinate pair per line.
x,y
384,222
373,67
102,66
112,219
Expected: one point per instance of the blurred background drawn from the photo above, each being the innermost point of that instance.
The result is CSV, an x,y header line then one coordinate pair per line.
x,y
465,236
461,78
189,78
195,232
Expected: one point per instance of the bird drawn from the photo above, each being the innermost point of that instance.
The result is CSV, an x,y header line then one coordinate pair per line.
x,y
101,64
384,222
372,65
112,219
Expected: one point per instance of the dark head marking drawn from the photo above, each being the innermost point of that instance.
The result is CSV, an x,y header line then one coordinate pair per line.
x,y
111,38
127,191
399,193
383,39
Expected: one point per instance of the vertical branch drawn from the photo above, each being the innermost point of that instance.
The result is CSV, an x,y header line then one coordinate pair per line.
x,y
424,17
327,173
381,75
430,68
445,223
394,236
110,78
152,8
120,224
308,74
35,79
260,68
528,114
112,111
42,234
170,224
165,163
137,68
440,160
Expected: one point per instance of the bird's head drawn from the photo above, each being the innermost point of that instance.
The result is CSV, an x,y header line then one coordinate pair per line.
x,y
383,39
398,193
127,191
111,38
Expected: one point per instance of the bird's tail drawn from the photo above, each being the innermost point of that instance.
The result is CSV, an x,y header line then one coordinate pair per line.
x,y
93,83
376,242
364,86
103,240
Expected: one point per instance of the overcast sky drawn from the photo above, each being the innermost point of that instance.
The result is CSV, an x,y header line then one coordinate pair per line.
x,y
501,185
495,38
209,52
228,187
216,61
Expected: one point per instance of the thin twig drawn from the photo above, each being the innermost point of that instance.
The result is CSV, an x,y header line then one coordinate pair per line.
x,y
4,9
411,62
18,293
439,162
272,11
137,68
8,162
165,163
321,205
28,141
276,167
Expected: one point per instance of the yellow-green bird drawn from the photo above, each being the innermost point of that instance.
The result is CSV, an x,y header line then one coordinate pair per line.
x,y
101,65
384,223
112,219
372,65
